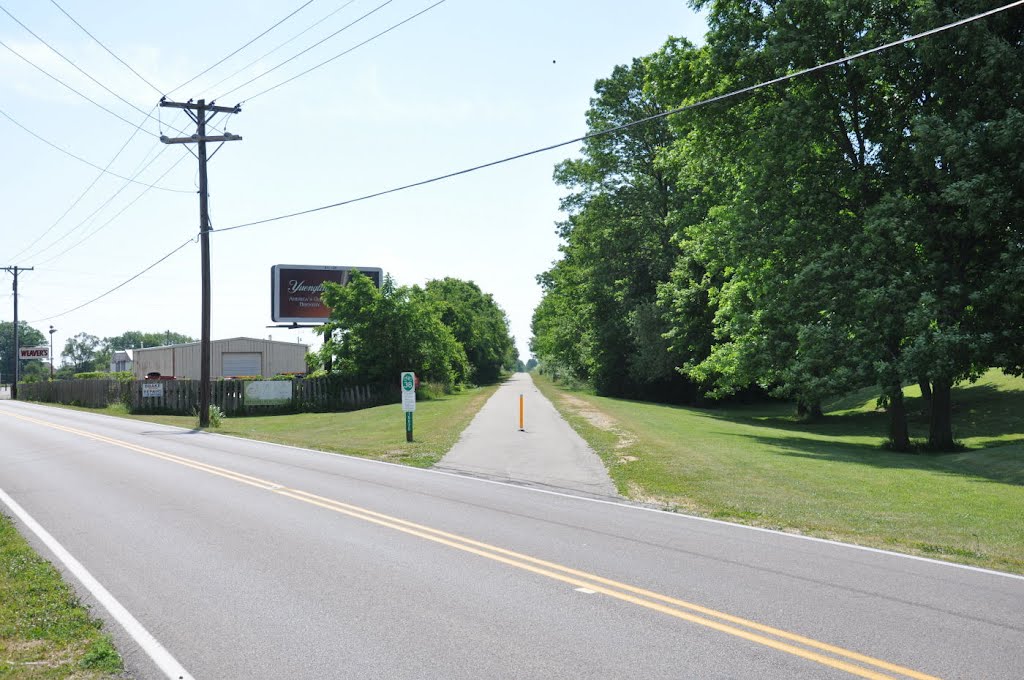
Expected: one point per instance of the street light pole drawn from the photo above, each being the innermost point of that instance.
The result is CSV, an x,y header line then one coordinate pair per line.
x,y
52,331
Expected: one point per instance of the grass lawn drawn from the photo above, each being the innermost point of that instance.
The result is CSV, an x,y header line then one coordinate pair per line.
x,y
44,632
758,465
377,433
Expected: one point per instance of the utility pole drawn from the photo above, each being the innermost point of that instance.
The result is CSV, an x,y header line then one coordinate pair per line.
x,y
17,347
201,119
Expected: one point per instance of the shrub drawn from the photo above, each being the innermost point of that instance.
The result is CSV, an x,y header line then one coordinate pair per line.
x,y
216,416
431,390
94,375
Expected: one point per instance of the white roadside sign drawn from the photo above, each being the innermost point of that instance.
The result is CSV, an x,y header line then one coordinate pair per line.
x,y
268,393
34,352
152,389
409,392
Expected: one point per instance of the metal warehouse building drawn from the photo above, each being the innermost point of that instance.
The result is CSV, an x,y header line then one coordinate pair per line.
x,y
231,357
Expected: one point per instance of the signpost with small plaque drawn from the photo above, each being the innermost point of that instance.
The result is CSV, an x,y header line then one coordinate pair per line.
x,y
408,401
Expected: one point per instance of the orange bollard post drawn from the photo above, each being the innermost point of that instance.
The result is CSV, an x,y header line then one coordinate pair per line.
x,y
521,413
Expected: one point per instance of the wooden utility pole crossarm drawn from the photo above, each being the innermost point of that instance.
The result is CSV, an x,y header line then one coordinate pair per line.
x,y
195,138
237,108
201,109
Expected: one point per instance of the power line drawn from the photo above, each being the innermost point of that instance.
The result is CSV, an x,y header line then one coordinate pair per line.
x,y
82,160
73,64
320,42
108,50
286,42
101,207
55,78
294,12
342,54
53,49
115,288
105,203
572,141
83,194
641,121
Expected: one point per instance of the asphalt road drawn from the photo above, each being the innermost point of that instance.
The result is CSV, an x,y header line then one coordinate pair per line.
x,y
252,560
545,453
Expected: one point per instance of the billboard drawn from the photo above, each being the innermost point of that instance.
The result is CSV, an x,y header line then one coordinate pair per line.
x,y
42,353
295,290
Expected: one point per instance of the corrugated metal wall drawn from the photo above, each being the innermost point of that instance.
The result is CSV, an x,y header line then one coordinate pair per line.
x,y
182,361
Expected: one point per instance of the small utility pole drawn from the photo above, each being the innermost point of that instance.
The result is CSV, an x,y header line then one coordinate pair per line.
x,y
201,138
17,346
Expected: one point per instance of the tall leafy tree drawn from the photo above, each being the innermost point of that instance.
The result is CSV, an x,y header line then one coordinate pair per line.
x,y
793,172
82,352
957,194
876,205
135,339
598,318
477,322
375,334
27,337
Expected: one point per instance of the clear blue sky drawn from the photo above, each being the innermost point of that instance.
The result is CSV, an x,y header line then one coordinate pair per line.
x,y
465,83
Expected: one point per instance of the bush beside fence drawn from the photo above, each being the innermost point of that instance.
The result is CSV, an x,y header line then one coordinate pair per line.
x,y
181,397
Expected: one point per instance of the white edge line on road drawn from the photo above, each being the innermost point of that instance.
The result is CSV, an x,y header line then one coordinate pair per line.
x,y
149,644
631,506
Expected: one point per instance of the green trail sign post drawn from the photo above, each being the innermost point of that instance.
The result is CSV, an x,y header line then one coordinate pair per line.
x,y
408,401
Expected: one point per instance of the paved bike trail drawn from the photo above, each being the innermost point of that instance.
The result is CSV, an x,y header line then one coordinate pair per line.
x,y
546,453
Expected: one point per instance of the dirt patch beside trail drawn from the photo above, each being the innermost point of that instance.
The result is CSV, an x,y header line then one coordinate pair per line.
x,y
601,421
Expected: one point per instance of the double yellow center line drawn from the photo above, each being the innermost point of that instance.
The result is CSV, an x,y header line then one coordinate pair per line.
x,y
806,648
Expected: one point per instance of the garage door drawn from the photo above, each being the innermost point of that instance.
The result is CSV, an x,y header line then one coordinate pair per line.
x,y
242,363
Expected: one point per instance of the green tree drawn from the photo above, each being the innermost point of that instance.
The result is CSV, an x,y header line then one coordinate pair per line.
x,y
958,194
27,337
874,231
478,323
135,339
82,353
788,175
598,318
375,334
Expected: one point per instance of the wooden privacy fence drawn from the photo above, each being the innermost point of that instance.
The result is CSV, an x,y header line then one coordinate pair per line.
x,y
181,397
91,393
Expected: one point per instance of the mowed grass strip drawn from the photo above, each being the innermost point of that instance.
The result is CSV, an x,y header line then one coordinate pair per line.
x,y
377,433
44,631
833,479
